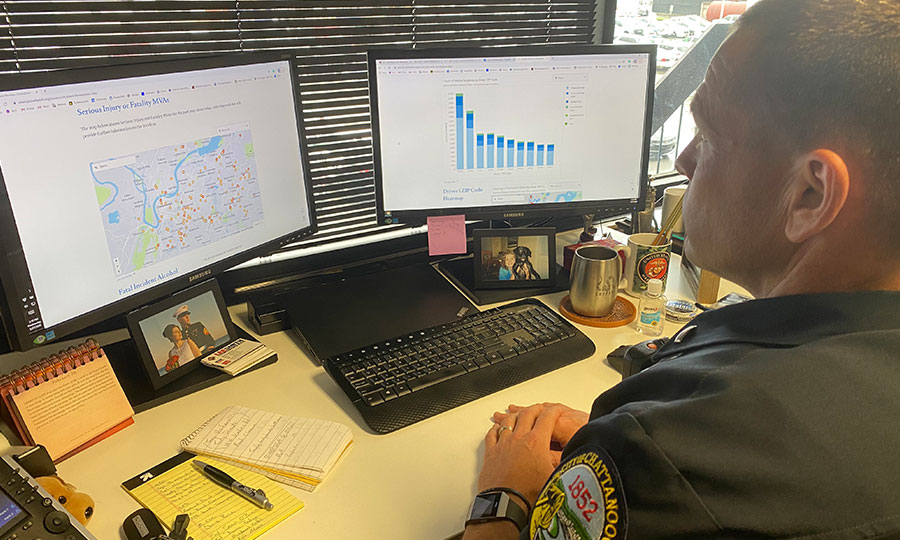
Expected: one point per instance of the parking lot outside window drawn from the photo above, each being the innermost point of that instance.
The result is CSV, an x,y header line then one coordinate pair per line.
x,y
674,26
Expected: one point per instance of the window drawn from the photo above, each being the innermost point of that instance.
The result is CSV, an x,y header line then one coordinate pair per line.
x,y
675,26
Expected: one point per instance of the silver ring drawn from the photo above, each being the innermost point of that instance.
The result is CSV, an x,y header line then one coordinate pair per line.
x,y
502,428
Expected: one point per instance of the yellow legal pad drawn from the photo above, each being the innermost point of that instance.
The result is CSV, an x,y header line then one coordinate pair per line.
x,y
215,512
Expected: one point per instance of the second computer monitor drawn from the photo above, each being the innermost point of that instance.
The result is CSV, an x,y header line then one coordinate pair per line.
x,y
507,133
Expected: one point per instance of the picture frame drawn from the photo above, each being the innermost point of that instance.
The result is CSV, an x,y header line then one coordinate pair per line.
x,y
514,258
191,323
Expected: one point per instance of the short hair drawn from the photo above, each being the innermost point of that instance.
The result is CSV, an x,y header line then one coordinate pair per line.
x,y
167,331
827,74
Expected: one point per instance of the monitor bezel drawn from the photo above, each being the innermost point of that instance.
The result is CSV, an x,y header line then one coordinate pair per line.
x,y
12,256
510,211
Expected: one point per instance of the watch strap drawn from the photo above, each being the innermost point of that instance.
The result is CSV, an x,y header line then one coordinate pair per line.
x,y
507,510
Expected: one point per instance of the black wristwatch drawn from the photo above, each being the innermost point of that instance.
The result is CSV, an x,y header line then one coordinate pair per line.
x,y
495,505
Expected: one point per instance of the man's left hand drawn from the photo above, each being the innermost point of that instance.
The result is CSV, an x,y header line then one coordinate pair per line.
x,y
517,451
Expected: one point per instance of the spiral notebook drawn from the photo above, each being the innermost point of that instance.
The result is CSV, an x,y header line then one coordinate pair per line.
x,y
66,401
288,449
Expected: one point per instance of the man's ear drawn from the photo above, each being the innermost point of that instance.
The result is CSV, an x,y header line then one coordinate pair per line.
x,y
817,192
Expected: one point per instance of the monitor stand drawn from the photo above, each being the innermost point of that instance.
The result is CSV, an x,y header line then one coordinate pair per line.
x,y
461,271
123,356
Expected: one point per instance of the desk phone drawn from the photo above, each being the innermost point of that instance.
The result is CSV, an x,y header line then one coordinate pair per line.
x,y
27,511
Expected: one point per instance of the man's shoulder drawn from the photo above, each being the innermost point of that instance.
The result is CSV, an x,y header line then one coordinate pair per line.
x,y
798,399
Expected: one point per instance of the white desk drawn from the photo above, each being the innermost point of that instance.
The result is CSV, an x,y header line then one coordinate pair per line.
x,y
415,483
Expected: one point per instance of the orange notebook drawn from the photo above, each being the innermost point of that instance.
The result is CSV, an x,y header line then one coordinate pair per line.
x,y
67,401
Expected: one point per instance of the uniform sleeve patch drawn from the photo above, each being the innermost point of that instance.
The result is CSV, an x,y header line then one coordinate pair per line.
x,y
583,500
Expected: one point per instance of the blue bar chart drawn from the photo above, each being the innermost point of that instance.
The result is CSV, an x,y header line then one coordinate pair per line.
x,y
480,149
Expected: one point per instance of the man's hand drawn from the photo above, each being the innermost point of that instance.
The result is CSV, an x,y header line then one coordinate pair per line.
x,y
517,451
516,455
570,421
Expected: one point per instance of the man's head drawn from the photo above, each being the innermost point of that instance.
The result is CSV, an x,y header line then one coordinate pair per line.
x,y
796,150
183,316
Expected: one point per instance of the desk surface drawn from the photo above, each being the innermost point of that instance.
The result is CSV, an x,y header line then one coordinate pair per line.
x,y
415,483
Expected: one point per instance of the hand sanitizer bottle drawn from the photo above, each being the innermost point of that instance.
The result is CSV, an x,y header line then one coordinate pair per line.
x,y
651,309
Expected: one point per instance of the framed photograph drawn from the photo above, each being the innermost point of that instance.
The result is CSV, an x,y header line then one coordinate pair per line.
x,y
172,335
515,258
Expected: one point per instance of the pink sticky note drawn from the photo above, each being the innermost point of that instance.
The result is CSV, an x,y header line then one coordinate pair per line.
x,y
446,235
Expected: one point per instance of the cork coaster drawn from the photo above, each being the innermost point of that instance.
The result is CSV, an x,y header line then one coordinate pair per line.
x,y
623,313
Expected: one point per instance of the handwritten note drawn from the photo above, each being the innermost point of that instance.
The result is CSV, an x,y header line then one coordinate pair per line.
x,y
282,447
216,513
446,235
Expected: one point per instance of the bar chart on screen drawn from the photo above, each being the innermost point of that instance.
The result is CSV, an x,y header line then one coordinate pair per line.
x,y
474,149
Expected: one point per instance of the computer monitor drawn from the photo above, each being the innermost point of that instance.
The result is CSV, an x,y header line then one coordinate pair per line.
x,y
510,132
123,184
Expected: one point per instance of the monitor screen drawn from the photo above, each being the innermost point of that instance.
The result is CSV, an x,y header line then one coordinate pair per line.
x,y
510,133
121,184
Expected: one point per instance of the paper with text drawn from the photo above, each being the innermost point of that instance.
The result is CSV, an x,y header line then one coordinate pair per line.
x,y
299,449
216,513
446,235
72,408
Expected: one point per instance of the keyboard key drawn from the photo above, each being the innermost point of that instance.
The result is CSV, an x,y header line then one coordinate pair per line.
x,y
435,377
482,361
373,398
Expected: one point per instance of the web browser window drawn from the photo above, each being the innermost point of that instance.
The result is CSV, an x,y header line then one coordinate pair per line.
x,y
501,131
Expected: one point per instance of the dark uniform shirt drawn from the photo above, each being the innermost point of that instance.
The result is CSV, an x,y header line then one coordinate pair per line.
x,y
772,418
197,332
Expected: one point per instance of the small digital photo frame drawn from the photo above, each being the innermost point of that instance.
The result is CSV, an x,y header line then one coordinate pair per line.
x,y
515,258
172,335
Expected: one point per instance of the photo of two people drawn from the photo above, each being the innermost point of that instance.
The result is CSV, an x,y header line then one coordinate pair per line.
x,y
191,330
514,258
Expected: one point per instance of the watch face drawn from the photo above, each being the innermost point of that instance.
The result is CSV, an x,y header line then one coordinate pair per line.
x,y
485,505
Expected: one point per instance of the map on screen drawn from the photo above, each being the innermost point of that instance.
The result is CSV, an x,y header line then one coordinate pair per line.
x,y
160,203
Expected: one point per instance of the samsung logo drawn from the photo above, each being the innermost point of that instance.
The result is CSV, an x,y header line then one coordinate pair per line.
x,y
200,275
514,214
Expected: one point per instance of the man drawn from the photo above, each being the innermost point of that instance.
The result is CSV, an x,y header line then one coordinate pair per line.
x,y
195,332
776,417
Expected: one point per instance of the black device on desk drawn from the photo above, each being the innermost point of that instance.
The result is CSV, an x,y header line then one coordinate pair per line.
x,y
494,134
405,379
28,511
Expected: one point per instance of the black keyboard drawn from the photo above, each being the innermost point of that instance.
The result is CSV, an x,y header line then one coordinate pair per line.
x,y
412,377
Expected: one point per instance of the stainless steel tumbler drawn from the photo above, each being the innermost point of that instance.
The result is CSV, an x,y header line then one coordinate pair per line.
x,y
594,281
